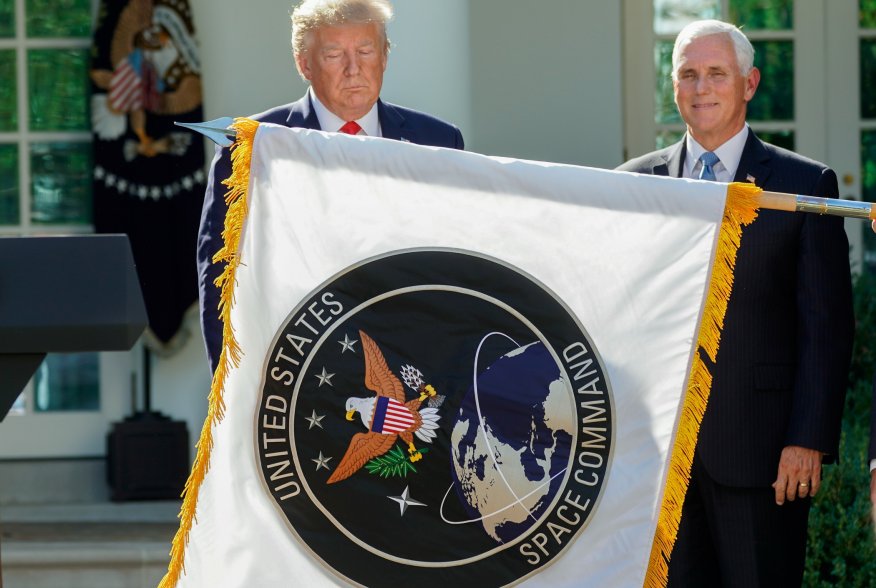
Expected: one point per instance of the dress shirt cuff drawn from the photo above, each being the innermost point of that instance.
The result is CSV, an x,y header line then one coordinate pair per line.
x,y
872,464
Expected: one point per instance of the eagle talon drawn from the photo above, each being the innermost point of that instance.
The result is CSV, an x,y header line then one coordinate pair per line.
x,y
388,416
428,391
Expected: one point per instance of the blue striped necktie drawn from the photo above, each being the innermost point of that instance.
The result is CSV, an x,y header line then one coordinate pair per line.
x,y
708,160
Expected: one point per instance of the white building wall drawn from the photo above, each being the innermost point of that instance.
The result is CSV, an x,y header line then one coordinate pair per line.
x,y
429,67
246,56
546,80
248,67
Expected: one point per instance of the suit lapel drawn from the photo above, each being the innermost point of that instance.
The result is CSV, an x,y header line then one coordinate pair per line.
x,y
302,114
752,165
392,123
673,162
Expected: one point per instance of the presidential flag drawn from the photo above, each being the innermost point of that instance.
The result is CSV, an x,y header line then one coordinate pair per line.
x,y
442,368
149,174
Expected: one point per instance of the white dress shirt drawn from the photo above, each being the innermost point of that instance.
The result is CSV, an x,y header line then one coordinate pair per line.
x,y
329,121
729,154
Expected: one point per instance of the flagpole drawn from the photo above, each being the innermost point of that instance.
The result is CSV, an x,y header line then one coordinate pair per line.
x,y
816,205
218,131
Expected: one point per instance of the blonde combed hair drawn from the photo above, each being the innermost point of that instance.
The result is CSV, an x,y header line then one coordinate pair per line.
x,y
310,15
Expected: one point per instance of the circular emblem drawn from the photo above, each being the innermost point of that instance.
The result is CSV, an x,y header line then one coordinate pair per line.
x,y
434,416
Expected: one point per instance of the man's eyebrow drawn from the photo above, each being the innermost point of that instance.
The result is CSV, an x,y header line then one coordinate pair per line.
x,y
334,46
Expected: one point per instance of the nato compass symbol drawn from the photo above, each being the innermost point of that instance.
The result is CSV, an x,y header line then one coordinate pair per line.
x,y
388,415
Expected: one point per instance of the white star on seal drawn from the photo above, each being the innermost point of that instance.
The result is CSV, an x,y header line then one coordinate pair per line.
x,y
348,343
314,420
321,462
405,500
324,378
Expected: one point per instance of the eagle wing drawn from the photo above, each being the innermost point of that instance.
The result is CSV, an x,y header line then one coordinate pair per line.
x,y
363,447
378,377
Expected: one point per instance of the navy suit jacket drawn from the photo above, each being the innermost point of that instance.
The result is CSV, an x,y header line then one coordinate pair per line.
x,y
872,452
781,372
396,122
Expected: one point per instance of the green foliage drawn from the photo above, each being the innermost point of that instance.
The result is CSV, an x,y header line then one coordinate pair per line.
x,y
774,100
842,550
394,463
762,14
867,13
864,355
868,67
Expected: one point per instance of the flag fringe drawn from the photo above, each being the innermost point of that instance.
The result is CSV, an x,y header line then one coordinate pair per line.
x,y
236,199
740,210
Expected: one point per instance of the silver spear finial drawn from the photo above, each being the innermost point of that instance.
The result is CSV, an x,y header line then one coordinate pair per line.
x,y
216,130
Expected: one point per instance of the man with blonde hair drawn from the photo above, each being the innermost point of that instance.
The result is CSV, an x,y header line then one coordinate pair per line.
x,y
779,379
341,48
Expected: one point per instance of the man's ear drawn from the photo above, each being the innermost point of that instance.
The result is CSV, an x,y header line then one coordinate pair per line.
x,y
303,65
751,83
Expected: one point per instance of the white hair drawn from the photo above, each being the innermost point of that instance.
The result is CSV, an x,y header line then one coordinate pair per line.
x,y
704,28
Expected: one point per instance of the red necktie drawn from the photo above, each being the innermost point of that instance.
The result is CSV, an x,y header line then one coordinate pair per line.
x,y
351,128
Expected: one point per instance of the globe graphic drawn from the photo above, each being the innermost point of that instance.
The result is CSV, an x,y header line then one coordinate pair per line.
x,y
512,440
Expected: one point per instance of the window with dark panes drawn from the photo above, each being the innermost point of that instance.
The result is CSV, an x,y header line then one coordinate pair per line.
x,y
867,44
769,26
45,158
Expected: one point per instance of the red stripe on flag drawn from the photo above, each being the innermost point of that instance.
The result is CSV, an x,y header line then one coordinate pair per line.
x,y
125,92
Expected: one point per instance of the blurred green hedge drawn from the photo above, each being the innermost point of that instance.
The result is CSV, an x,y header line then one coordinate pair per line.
x,y
842,550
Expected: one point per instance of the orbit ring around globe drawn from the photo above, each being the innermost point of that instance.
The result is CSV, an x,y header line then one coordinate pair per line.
x,y
482,429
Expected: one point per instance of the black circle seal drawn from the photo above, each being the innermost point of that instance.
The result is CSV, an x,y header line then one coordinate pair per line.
x,y
434,416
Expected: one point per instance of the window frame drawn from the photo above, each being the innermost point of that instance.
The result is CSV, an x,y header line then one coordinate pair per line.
x,y
24,138
810,91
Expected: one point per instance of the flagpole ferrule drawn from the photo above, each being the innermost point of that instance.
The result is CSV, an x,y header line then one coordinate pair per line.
x,y
836,207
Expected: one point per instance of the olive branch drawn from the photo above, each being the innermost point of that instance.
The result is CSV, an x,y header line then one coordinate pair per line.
x,y
392,464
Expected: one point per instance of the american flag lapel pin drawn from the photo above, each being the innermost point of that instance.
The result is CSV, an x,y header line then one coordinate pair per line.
x,y
750,178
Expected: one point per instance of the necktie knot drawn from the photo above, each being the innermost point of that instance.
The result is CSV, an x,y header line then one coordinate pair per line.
x,y
708,160
351,128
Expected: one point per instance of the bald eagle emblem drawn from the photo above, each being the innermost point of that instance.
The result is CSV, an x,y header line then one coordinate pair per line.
x,y
388,415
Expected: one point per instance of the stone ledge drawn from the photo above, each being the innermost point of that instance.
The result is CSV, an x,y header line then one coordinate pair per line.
x,y
83,555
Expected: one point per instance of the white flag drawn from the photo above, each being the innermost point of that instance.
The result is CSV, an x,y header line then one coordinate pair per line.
x,y
454,370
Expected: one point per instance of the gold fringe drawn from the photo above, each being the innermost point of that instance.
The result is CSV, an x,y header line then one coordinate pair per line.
x,y
739,210
236,199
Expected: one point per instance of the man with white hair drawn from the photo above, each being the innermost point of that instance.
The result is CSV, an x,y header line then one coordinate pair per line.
x,y
341,48
779,379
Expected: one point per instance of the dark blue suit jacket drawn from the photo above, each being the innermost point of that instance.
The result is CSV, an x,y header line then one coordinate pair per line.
x,y
396,122
781,371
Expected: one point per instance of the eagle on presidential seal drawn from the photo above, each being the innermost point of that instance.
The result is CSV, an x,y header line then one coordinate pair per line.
x,y
388,415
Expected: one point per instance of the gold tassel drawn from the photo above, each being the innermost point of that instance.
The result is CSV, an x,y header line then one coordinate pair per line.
x,y
236,199
740,210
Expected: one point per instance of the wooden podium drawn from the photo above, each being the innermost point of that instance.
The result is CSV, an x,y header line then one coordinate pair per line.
x,y
63,295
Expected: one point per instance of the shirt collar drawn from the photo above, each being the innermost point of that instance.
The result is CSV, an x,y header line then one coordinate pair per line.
x,y
730,154
329,121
